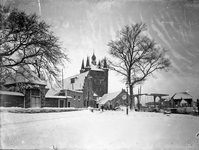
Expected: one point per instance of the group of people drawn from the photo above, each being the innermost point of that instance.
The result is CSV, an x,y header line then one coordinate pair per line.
x,y
198,106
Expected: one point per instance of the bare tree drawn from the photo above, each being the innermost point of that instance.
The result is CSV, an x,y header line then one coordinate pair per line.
x,y
24,40
136,56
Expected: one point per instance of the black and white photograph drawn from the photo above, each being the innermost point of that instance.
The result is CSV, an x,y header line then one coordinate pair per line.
x,y
99,74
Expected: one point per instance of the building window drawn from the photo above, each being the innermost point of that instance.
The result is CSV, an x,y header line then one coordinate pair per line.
x,y
35,92
74,97
79,98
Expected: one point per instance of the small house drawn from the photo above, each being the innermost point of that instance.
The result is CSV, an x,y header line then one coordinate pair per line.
x,y
114,100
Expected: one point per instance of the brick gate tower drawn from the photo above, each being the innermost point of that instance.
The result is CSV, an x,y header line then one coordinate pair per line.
x,y
97,75
85,88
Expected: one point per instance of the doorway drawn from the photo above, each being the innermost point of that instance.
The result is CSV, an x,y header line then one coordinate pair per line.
x,y
61,103
35,102
35,98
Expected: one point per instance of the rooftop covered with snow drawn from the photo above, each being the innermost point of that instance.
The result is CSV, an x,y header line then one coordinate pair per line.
x,y
11,93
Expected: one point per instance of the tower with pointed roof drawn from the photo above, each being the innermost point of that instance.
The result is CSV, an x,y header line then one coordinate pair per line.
x,y
82,67
99,64
87,62
87,67
97,76
85,88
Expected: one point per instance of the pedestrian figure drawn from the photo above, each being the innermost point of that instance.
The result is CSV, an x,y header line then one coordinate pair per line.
x,y
102,107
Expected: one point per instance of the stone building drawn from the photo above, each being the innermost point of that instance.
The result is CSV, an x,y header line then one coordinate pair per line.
x,y
85,88
27,83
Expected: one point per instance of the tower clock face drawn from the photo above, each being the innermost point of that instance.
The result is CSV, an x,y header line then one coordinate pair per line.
x,y
124,96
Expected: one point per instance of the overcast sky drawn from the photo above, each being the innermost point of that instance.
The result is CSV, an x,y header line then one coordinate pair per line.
x,y
88,25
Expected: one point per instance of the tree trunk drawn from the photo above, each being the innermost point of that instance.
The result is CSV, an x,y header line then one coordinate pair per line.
x,y
132,103
1,76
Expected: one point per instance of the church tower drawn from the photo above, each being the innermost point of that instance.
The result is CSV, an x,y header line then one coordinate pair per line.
x,y
97,78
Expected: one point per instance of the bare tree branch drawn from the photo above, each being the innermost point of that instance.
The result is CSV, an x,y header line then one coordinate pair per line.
x,y
137,55
28,41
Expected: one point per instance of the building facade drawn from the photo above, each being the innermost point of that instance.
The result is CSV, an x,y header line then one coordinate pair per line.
x,y
85,88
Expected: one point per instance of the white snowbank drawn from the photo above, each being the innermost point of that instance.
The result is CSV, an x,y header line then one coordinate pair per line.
x,y
109,130
38,110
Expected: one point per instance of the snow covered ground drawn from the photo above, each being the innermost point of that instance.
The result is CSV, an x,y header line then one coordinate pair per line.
x,y
82,130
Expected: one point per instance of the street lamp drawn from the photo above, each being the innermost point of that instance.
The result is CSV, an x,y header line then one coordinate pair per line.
x,y
127,97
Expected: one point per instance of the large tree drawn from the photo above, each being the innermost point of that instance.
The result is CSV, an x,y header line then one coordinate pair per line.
x,y
27,41
136,56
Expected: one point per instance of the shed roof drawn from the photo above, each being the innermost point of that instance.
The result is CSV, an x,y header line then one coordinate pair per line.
x,y
56,96
11,93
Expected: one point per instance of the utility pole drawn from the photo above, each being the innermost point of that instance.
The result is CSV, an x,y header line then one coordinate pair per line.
x,y
62,80
127,97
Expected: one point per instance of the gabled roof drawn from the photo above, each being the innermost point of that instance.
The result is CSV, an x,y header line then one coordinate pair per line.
x,y
181,95
107,97
25,76
75,82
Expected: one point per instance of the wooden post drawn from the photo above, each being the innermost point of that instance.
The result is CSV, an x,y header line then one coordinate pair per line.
x,y
154,102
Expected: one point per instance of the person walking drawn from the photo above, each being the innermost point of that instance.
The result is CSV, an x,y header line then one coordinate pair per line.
x,y
102,107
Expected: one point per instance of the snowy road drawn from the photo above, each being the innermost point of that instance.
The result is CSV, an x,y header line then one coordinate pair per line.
x,y
108,130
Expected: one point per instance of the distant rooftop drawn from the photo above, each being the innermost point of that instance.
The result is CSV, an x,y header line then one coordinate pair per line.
x,y
181,95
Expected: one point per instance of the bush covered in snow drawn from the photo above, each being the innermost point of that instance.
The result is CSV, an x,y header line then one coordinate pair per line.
x,y
37,110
